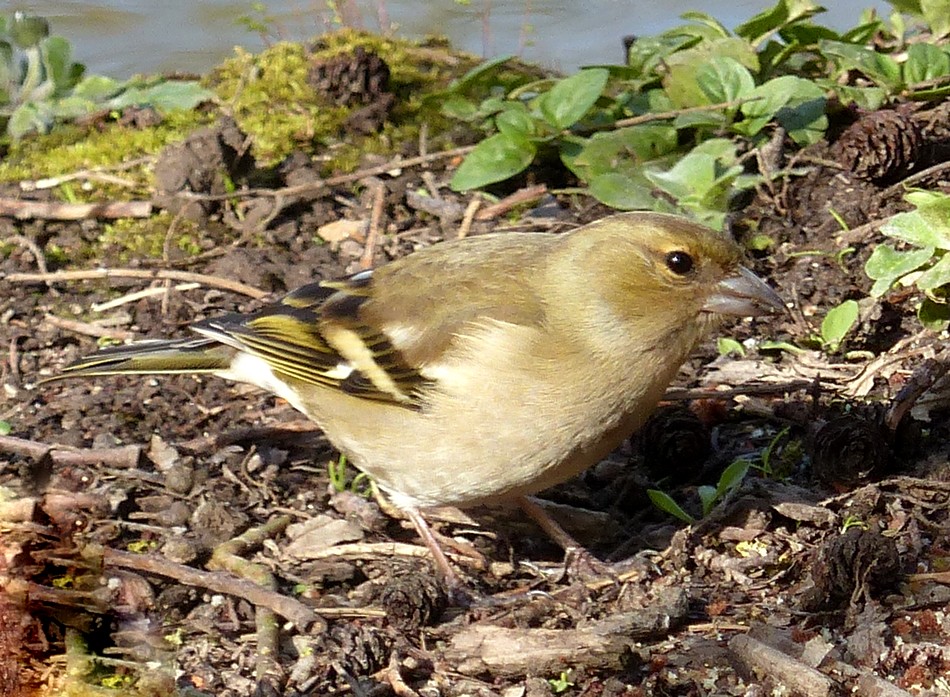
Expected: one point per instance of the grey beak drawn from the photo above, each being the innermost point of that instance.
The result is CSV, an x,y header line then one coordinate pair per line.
x,y
745,295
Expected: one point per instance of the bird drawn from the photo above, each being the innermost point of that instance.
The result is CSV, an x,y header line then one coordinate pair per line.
x,y
483,369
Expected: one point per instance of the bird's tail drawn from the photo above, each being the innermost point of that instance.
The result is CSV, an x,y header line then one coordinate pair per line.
x,y
149,357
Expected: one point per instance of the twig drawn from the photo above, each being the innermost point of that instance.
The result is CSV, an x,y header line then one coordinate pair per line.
x,y
88,329
126,456
375,222
526,195
220,582
158,274
664,115
901,186
291,430
470,210
38,255
139,295
47,210
923,378
312,187
785,670
97,173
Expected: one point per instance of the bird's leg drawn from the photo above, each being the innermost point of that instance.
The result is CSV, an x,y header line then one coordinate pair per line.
x,y
577,559
457,591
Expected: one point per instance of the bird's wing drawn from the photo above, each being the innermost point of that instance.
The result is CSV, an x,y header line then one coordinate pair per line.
x,y
314,337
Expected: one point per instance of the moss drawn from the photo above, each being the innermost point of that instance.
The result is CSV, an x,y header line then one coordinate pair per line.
x,y
142,238
271,99
71,148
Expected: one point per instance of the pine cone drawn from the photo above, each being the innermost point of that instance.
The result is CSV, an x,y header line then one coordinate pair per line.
x,y
350,79
880,146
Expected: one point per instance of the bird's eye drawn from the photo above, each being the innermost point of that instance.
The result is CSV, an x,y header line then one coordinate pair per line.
x,y
679,262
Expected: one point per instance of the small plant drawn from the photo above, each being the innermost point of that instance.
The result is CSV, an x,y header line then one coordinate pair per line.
x,y
562,683
853,522
772,462
837,323
709,496
336,472
923,236
41,85
668,130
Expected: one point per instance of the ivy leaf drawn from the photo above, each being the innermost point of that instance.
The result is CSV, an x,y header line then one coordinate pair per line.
x,y
886,266
913,227
567,102
495,159
936,276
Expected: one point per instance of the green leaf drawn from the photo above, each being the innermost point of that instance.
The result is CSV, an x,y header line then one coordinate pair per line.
x,y
783,13
707,498
933,315
72,107
622,192
867,98
27,32
623,150
923,197
879,67
165,96
797,104
838,322
57,59
724,79
683,68
936,214
727,346
886,266
937,14
30,117
707,21
493,160
925,62
457,107
482,71
936,276
567,102
665,503
515,121
913,227
646,54
5,428
732,477
97,88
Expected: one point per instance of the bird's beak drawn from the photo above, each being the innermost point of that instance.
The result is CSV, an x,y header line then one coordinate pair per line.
x,y
745,295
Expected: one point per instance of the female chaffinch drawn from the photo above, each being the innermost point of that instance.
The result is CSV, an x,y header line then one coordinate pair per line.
x,y
481,369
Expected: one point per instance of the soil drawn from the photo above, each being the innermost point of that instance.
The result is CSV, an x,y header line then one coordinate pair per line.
x,y
180,535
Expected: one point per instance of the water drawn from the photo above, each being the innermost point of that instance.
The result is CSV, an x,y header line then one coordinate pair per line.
x,y
123,37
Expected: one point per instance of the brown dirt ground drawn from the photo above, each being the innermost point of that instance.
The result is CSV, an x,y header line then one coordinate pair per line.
x,y
213,482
